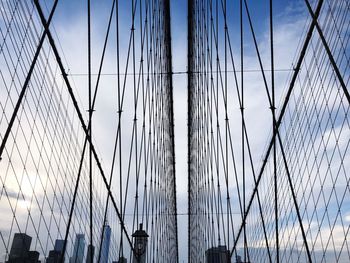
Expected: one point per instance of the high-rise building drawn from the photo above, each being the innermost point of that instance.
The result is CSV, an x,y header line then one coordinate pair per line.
x,y
79,248
218,254
20,246
56,254
90,254
59,243
33,257
105,244
19,252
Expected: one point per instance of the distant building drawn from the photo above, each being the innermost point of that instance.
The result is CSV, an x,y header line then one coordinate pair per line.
x,y
20,246
105,244
79,248
90,254
59,243
20,253
33,257
218,254
56,254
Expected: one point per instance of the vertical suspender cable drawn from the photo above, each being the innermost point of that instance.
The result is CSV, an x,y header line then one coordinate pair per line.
x,y
226,133
242,131
273,109
90,126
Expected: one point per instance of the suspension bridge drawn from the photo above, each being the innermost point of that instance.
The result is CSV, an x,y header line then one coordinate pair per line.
x,y
88,164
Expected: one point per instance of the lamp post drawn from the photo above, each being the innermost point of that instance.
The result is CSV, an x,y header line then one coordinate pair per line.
x,y
140,245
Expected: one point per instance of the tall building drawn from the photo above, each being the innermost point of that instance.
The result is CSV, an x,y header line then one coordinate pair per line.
x,y
79,248
56,254
59,243
90,254
33,257
218,254
19,252
20,246
105,244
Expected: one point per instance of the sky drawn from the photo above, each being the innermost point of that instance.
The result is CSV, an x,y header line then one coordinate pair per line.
x,y
69,25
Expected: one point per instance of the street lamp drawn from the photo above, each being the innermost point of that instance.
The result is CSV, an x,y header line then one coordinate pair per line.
x,y
140,244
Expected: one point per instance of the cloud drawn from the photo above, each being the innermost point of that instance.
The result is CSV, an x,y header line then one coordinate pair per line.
x,y
289,30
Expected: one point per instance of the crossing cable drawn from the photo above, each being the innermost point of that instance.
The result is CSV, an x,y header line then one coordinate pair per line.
x,y
39,84
242,126
241,101
283,109
26,82
215,198
149,199
52,43
313,117
134,126
121,251
91,110
329,52
216,27
315,87
120,111
315,99
215,99
90,257
319,118
22,159
245,134
15,114
136,97
226,130
279,138
82,212
114,151
273,109
142,139
216,195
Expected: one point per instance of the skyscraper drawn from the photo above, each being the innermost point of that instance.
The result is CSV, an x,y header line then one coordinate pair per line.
x,y
105,244
218,254
20,246
56,254
59,243
19,252
79,248
90,254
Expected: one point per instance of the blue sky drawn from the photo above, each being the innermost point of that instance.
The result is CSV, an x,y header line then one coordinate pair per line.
x,y
71,16
71,28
